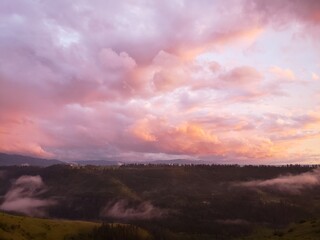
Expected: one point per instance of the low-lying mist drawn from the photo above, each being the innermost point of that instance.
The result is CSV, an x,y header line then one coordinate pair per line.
x,y
123,210
290,183
24,197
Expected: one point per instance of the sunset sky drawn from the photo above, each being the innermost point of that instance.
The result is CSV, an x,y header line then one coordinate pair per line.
x,y
232,81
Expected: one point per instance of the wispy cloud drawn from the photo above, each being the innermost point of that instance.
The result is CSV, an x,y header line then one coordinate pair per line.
x,y
23,197
289,183
123,210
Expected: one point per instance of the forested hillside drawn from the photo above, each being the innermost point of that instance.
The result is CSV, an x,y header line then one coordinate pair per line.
x,y
201,201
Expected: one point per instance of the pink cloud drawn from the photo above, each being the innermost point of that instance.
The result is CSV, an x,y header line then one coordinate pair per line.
x,y
283,11
315,76
243,76
101,79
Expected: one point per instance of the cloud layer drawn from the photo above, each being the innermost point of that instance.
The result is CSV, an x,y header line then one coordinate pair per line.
x,y
98,79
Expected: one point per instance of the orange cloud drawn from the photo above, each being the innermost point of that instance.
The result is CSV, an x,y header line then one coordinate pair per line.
x,y
195,139
283,74
216,40
142,131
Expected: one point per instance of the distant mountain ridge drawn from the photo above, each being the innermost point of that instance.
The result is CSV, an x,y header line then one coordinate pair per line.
x,y
115,162
20,160
99,162
180,162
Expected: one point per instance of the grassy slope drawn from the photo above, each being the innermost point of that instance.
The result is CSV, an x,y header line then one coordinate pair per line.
x,y
26,228
309,230
21,228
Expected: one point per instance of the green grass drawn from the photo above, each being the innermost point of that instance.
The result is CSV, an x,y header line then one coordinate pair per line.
x,y
304,230
27,228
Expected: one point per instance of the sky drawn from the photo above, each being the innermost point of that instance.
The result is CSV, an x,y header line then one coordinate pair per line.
x,y
227,81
